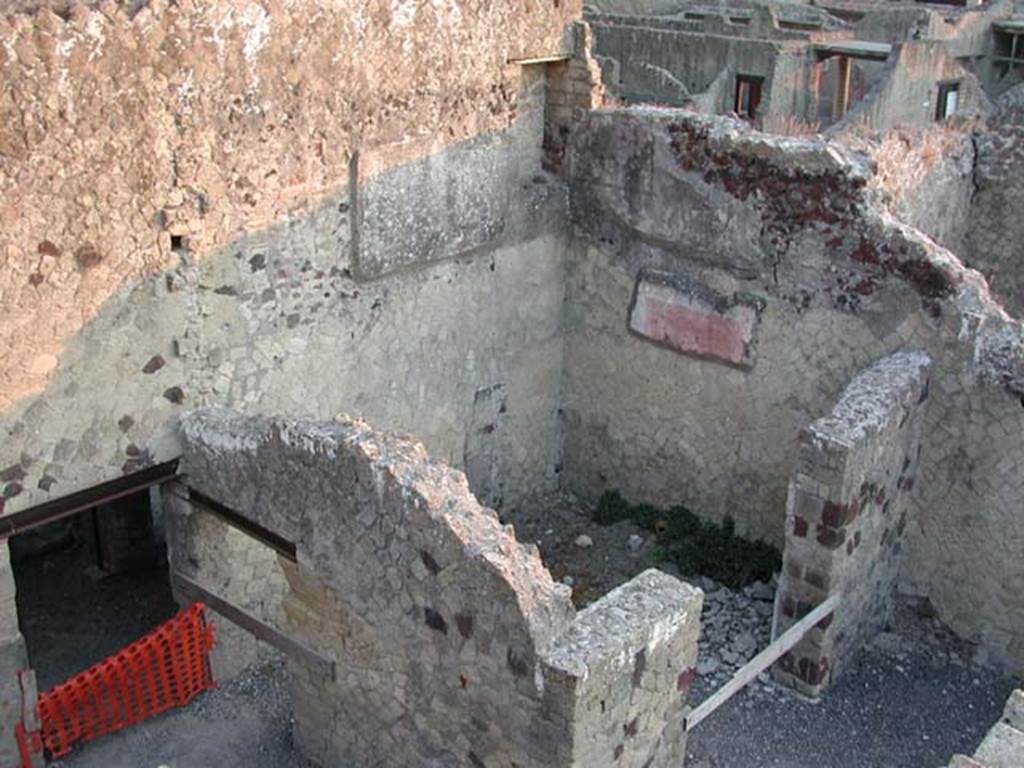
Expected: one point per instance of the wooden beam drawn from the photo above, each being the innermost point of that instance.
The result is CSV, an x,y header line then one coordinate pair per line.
x,y
761,662
264,536
259,629
65,506
556,57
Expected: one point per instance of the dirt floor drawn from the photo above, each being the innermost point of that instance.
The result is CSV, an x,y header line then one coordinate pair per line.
x,y
73,614
912,699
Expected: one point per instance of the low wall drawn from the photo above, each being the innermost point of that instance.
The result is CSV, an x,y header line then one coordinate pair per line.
x,y
454,646
846,515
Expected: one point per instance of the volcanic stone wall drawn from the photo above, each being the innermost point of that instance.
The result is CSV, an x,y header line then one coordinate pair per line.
x,y
846,515
792,228
453,644
195,196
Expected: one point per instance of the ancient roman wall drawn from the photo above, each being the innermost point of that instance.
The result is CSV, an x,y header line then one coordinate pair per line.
x,y
666,412
194,210
292,208
695,57
846,514
453,644
13,659
995,239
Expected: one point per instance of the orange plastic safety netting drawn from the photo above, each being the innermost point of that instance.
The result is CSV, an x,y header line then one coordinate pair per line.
x,y
165,669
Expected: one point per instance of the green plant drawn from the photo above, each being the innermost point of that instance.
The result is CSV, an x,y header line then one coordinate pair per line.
x,y
693,545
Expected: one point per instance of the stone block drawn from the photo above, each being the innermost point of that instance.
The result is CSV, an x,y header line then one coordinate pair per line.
x,y
1003,747
1013,715
688,317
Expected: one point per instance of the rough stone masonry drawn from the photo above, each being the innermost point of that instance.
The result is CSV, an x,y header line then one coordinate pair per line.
x,y
453,645
846,514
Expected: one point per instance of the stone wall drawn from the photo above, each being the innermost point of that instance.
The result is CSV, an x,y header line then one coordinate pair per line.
x,y
845,517
231,564
792,227
696,57
194,122
278,322
906,92
453,645
13,659
186,197
995,239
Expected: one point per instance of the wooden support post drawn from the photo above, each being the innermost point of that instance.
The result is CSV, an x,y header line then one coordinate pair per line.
x,y
761,662
842,96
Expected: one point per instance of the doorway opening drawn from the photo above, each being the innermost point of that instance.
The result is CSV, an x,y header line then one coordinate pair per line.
x,y
90,584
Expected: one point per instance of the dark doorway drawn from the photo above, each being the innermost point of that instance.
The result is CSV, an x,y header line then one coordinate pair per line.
x,y
748,95
948,101
90,584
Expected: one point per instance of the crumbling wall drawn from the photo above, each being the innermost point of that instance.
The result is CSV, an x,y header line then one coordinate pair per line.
x,y
845,517
927,179
995,239
453,644
788,226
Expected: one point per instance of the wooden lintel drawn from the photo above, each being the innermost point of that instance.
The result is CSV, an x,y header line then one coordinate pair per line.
x,y
73,503
259,629
553,58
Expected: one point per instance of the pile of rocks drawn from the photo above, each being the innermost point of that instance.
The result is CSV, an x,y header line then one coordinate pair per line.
x,y
736,625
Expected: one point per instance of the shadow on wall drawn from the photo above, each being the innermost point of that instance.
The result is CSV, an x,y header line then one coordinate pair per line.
x,y
181,125
402,297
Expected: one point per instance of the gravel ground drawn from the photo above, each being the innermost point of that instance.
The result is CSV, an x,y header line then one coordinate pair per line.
x,y
243,724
